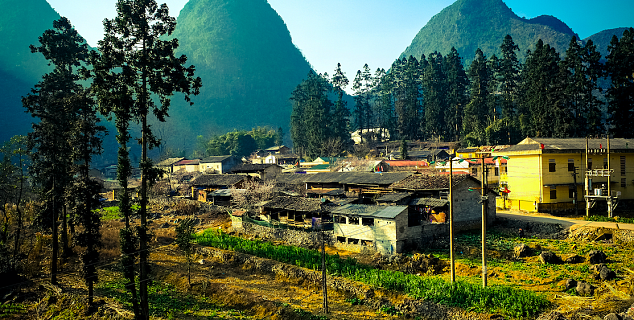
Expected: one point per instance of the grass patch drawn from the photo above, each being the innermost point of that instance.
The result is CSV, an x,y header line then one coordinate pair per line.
x,y
113,213
11,309
495,299
165,301
607,219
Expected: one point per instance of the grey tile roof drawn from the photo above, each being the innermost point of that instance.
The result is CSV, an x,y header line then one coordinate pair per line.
x,y
217,180
575,145
386,212
393,197
215,159
429,181
168,162
365,178
291,178
249,167
294,203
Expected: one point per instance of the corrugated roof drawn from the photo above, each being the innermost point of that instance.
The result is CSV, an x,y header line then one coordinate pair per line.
x,y
366,178
430,202
221,193
387,212
217,180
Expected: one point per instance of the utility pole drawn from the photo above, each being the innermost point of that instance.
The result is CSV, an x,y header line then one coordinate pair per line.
x,y
609,199
588,182
451,246
484,225
323,267
574,177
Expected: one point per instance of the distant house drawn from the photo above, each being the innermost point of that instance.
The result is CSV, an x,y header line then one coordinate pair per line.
x,y
110,172
278,149
406,165
219,164
204,185
426,155
467,153
187,165
281,159
290,183
262,171
293,211
168,164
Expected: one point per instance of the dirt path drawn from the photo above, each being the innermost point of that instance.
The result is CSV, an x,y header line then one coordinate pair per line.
x,y
566,222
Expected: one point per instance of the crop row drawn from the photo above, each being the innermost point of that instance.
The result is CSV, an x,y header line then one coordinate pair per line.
x,y
507,300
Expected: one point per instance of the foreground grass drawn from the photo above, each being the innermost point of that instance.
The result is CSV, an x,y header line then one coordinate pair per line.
x,y
166,302
506,300
606,219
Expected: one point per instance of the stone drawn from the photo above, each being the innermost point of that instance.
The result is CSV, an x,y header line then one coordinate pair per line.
x,y
570,284
597,256
522,250
574,259
549,257
552,316
612,316
585,289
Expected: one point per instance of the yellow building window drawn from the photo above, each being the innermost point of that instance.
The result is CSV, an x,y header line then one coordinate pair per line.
x,y
553,193
551,165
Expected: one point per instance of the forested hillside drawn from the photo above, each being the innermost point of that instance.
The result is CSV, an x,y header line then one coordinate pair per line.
x,y
471,24
244,54
21,22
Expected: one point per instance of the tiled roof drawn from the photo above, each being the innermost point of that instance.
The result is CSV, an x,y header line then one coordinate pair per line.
x,y
187,162
215,159
554,145
291,178
294,203
388,212
217,180
168,162
367,178
429,181
407,163
249,167
393,197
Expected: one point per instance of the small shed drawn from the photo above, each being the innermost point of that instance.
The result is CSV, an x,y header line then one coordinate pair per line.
x,y
293,211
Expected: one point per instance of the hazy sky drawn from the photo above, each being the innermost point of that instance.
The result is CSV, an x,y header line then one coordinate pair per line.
x,y
354,32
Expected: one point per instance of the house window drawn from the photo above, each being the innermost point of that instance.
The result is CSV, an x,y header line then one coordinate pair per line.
x,y
551,165
353,220
341,239
353,241
367,222
497,171
622,165
571,192
623,183
589,163
553,193
571,165
605,163
413,219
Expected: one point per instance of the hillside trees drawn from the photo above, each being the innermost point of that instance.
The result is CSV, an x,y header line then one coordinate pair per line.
x,y
134,63
456,96
620,94
55,102
477,110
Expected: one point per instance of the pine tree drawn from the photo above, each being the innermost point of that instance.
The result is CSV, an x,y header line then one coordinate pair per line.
x,y
434,87
476,111
309,117
341,114
133,54
508,77
53,101
457,98
406,92
620,94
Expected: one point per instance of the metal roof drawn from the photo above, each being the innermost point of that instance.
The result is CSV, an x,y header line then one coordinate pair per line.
x,y
430,202
573,145
386,212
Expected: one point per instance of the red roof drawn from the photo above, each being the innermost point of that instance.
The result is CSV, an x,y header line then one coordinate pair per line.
x,y
186,162
407,163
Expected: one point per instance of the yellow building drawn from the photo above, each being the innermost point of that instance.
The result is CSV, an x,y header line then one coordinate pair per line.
x,y
541,173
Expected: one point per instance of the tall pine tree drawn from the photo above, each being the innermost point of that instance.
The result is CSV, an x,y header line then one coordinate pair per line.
x,y
620,94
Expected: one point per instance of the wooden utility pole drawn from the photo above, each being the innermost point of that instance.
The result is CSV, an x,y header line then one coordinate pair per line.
x,y
451,246
484,225
609,198
588,182
323,268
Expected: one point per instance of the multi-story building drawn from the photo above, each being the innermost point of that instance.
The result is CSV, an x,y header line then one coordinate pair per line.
x,y
548,174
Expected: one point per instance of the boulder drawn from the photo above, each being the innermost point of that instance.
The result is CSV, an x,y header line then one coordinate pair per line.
x,y
552,316
522,250
602,272
570,284
573,259
596,256
585,289
613,316
549,257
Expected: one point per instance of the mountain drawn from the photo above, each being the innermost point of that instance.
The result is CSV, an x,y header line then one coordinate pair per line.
x,y
471,24
21,23
602,39
249,66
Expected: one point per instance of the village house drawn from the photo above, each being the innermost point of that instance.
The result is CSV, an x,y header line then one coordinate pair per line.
x,y
187,165
167,165
363,184
203,186
281,159
406,165
261,171
278,149
219,164
495,168
395,198
541,173
296,212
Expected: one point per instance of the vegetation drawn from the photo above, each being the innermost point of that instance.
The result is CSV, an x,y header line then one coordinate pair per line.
x,y
241,143
607,219
503,299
